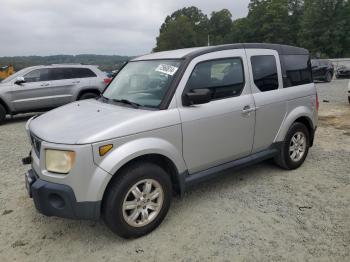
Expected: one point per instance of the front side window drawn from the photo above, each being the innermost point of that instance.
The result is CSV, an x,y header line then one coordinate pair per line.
x,y
314,63
143,83
223,77
265,72
36,75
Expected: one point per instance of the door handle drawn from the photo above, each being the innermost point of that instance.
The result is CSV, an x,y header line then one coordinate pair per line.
x,y
45,84
247,109
75,82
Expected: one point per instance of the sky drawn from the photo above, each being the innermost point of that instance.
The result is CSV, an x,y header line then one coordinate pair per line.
x,y
111,27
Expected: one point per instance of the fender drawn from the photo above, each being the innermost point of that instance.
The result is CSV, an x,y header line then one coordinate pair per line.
x,y
7,107
87,89
136,148
301,111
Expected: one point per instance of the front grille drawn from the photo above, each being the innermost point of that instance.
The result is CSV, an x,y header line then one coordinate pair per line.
x,y
36,143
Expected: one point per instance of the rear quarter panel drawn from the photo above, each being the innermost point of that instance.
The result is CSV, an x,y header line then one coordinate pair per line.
x,y
301,102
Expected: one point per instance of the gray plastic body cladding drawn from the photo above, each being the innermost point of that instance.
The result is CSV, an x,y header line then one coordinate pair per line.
x,y
44,193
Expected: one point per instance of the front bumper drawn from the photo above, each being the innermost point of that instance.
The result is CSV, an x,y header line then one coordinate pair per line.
x,y
52,199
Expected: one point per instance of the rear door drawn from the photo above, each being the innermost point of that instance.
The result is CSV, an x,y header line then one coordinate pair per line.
x,y
62,84
221,130
270,102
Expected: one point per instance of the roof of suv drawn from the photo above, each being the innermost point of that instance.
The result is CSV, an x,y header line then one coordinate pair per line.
x,y
62,65
197,51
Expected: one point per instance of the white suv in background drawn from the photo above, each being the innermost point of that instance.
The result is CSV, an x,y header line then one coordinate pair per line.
x,y
40,88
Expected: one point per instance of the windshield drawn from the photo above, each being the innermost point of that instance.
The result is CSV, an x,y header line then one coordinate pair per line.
x,y
13,76
143,83
345,64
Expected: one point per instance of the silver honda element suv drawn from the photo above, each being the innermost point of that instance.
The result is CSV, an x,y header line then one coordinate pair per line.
x,y
167,121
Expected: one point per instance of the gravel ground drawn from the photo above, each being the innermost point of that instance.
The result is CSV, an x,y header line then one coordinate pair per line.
x,y
260,213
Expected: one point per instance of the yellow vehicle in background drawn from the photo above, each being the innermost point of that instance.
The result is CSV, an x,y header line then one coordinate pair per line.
x,y
6,71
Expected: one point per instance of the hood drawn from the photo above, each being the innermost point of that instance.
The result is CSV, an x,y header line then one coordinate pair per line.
x,y
90,121
2,84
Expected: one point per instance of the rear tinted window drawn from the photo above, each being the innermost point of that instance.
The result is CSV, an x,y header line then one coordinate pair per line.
x,y
265,72
58,74
298,70
82,73
70,73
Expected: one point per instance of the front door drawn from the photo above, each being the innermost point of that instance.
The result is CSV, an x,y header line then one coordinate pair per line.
x,y
32,94
223,129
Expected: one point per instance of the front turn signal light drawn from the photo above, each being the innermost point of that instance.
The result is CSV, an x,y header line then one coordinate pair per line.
x,y
105,149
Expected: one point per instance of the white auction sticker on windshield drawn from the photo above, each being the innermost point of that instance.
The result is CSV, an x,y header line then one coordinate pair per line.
x,y
167,69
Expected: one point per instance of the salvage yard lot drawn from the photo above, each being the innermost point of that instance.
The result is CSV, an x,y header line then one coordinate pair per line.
x,y
260,213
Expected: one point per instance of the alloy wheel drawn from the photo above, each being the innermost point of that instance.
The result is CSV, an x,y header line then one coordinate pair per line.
x,y
143,202
297,146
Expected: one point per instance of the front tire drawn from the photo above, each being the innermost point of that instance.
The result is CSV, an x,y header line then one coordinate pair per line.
x,y
328,77
138,200
2,114
295,147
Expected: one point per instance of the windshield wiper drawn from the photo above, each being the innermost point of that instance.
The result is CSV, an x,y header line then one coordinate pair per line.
x,y
103,98
128,102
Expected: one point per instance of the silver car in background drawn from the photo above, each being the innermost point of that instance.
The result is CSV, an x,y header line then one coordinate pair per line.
x,y
41,88
168,121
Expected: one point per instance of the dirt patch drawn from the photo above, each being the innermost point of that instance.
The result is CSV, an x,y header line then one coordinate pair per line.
x,y
259,213
338,118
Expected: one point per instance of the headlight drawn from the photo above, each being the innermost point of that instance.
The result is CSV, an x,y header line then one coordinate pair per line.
x,y
59,161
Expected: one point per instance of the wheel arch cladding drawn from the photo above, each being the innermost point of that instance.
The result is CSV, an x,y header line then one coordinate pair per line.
x,y
300,114
6,107
165,155
88,90
308,123
157,159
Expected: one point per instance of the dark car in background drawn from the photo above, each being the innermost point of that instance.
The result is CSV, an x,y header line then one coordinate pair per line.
x,y
322,69
343,71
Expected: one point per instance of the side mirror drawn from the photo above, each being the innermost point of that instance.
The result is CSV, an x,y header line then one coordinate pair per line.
x,y
20,80
197,96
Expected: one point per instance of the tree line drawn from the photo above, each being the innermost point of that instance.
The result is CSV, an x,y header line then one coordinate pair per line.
x,y
321,26
105,62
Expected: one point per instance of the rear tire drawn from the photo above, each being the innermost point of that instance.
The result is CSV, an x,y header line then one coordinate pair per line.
x,y
128,198
88,95
2,114
294,150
